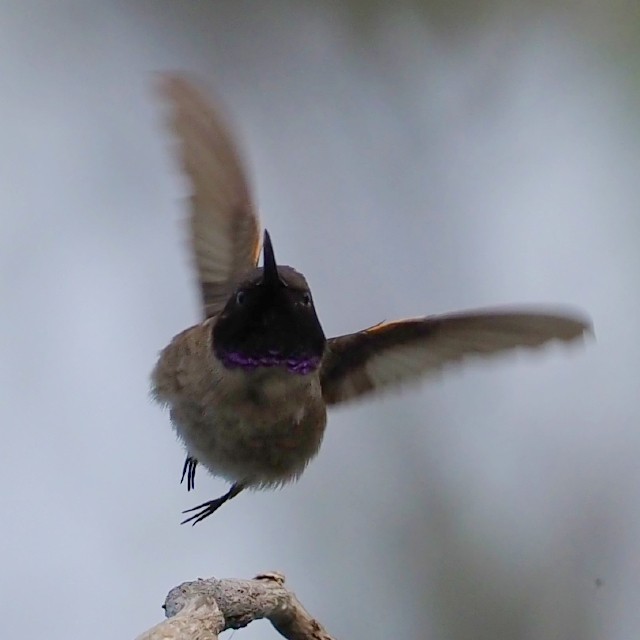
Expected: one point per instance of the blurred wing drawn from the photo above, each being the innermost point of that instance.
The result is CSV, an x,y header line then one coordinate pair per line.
x,y
395,352
225,231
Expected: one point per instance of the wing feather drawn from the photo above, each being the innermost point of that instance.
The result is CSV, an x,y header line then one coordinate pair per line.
x,y
393,353
225,230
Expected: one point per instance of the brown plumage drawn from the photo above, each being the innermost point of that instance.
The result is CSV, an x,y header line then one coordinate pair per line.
x,y
248,387
225,232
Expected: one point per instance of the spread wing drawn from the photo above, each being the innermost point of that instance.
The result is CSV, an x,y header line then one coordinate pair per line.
x,y
225,231
395,352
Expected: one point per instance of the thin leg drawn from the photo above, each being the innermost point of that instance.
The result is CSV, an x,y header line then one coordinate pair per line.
x,y
189,470
205,509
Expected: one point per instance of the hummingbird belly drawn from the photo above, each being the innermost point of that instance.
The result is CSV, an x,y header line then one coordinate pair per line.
x,y
261,429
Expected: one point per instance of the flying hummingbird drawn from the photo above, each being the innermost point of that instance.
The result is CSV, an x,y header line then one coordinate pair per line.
x,y
249,386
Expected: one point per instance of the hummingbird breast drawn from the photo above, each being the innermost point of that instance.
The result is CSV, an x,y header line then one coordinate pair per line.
x,y
259,427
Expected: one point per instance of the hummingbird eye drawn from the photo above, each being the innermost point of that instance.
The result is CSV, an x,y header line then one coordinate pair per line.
x,y
306,299
241,297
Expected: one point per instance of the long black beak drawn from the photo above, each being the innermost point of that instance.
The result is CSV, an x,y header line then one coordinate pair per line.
x,y
271,276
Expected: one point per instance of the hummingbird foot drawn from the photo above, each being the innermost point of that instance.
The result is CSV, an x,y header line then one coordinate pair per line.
x,y
189,471
205,509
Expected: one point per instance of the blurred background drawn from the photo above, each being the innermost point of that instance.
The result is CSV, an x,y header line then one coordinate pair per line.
x,y
410,158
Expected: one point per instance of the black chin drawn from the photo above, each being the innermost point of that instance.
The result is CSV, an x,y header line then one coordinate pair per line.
x,y
298,349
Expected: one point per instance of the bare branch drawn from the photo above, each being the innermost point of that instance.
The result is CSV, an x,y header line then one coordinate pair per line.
x,y
200,610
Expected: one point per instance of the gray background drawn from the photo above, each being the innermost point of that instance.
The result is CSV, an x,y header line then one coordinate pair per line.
x,y
411,158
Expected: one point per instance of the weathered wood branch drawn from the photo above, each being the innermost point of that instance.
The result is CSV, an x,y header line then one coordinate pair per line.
x,y
200,610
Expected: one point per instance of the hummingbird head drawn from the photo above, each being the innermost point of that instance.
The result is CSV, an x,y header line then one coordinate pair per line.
x,y
270,321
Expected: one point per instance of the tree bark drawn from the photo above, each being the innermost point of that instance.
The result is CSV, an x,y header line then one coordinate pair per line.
x,y
200,610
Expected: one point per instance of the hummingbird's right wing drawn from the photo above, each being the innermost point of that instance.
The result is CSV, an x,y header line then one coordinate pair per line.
x,y
225,231
392,353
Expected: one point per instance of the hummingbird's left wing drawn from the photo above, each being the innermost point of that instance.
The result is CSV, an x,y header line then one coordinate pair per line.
x,y
391,353
225,231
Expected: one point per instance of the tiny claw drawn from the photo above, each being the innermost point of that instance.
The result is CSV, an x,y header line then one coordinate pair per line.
x,y
189,471
205,509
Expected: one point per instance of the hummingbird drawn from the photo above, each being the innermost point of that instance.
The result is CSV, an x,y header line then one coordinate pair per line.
x,y
248,387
